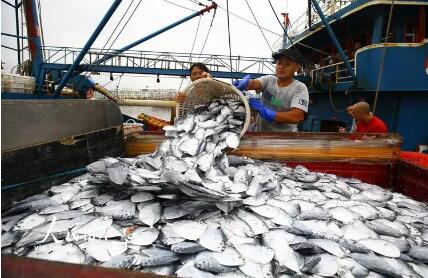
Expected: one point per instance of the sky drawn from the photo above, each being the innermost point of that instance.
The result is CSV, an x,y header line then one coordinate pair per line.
x,y
71,22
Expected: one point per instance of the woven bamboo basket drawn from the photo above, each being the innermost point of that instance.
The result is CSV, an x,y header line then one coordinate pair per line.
x,y
205,90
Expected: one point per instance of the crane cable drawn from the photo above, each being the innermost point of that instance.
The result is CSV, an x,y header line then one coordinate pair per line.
x,y
193,45
126,23
230,44
208,33
246,20
197,2
172,3
194,39
92,66
90,69
382,61
258,25
117,36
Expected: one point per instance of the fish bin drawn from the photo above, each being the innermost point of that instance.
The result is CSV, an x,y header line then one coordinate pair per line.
x,y
199,201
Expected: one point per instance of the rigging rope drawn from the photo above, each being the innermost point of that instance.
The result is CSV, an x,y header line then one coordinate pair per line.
x,y
172,3
117,36
312,48
248,21
91,67
382,63
330,94
197,2
126,23
194,40
208,33
230,44
251,10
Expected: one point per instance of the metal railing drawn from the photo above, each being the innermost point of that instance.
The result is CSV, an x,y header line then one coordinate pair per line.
x,y
335,73
301,24
160,60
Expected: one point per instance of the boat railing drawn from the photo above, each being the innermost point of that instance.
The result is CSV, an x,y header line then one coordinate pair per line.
x,y
329,7
163,60
335,73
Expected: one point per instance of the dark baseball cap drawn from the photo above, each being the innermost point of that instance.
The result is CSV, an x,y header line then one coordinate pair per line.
x,y
290,53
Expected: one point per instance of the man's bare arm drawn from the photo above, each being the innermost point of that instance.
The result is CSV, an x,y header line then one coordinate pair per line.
x,y
254,84
294,116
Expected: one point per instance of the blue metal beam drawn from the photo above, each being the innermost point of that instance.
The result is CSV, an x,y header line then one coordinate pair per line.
x,y
7,3
14,36
154,34
334,39
86,47
8,47
152,71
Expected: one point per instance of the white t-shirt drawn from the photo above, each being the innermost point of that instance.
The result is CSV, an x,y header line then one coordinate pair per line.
x,y
282,99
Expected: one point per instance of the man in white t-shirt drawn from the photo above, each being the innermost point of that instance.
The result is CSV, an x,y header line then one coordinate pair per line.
x,y
284,100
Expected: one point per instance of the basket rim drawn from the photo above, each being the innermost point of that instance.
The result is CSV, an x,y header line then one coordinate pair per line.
x,y
233,89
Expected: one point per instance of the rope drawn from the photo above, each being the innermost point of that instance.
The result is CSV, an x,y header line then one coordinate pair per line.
x,y
382,63
330,93
179,5
246,20
194,39
90,69
230,44
208,33
251,10
118,82
181,83
292,44
126,23
314,49
196,2
89,72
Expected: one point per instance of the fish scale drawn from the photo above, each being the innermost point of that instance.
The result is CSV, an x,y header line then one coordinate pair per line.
x,y
192,210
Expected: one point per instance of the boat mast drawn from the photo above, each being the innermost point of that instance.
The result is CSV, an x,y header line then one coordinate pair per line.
x,y
286,26
34,40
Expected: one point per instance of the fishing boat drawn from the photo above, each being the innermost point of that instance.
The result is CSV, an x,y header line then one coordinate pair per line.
x,y
376,51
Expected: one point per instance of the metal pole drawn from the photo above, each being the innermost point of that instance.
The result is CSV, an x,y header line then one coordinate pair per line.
x,y
17,31
109,56
34,42
86,47
334,39
286,24
309,15
13,36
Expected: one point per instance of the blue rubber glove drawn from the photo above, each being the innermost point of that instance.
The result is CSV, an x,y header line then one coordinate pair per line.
x,y
243,83
265,113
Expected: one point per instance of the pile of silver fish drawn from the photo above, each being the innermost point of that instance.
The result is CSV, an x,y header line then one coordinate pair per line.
x,y
191,210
